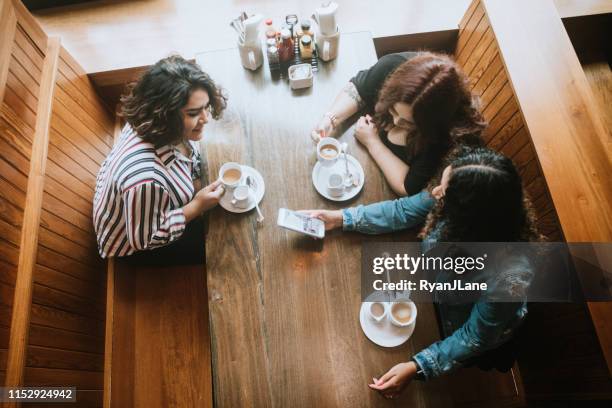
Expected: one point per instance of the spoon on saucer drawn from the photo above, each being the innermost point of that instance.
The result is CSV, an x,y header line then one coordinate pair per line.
x,y
348,176
251,183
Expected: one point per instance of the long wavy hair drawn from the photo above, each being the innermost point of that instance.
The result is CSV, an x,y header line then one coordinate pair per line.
x,y
443,110
152,105
484,201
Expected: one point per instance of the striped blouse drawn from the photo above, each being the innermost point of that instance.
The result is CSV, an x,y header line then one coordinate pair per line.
x,y
140,192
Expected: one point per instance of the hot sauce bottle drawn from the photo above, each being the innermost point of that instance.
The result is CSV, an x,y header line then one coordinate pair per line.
x,y
286,50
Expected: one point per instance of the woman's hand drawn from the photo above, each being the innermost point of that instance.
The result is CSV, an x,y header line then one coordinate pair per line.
x,y
366,132
332,219
209,196
394,381
324,128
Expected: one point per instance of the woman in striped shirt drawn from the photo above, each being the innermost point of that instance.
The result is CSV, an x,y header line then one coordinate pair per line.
x,y
147,194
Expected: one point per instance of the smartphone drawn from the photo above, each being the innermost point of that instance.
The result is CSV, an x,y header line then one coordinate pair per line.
x,y
301,223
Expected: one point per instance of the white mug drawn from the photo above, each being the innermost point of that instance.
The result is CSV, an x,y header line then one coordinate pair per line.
x,y
328,45
240,197
402,307
335,184
328,156
231,184
377,317
251,55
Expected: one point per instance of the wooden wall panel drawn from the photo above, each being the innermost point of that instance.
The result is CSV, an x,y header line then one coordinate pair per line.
x,y
477,52
18,94
49,110
67,324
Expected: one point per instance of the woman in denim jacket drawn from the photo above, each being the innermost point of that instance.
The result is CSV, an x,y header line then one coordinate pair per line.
x,y
479,199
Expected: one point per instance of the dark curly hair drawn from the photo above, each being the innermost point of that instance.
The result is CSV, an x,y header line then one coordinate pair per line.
x,y
484,201
152,105
443,110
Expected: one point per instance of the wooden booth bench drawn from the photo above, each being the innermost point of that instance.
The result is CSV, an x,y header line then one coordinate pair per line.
x,y
140,337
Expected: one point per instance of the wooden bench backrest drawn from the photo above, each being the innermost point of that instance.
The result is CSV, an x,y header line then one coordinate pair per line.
x,y
478,53
542,114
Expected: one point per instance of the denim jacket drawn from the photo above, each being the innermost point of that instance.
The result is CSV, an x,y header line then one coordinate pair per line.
x,y
478,327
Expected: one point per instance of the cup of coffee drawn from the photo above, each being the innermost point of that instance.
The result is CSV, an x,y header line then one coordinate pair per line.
x,y
403,314
335,184
230,175
328,150
377,311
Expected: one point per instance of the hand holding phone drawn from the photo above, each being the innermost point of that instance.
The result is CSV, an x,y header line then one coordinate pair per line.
x,y
299,222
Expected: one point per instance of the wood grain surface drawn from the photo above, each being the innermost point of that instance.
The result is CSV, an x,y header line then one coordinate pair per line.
x,y
29,230
284,308
160,342
565,123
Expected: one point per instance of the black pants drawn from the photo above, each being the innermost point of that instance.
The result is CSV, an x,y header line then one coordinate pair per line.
x,y
187,250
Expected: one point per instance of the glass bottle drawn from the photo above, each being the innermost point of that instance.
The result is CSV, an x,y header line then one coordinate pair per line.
x,y
286,51
269,29
306,46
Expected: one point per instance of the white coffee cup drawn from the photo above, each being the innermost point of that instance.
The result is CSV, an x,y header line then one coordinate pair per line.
x,y
328,150
377,311
240,196
251,55
231,175
402,314
328,45
335,184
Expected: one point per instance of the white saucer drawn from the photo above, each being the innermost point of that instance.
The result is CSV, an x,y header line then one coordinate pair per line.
x,y
385,333
254,196
320,175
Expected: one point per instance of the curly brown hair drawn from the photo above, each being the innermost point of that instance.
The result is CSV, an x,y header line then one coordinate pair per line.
x,y
443,110
484,201
152,105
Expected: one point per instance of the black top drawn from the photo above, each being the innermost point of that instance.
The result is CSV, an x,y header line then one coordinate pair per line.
x,y
368,82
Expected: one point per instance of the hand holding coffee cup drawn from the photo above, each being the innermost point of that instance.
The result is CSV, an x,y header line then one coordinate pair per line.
x,y
209,196
324,128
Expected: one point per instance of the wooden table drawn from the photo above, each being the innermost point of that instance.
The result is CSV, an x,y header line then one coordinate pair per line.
x,y
284,308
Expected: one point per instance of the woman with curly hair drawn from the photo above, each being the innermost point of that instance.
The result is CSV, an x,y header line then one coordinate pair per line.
x,y
480,198
148,194
416,106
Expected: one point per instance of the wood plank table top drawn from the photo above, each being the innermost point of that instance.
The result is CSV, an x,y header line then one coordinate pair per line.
x,y
284,308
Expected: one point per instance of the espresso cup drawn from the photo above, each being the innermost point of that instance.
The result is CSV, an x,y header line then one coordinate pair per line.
x,y
328,45
377,311
403,314
251,55
335,184
240,196
230,175
328,150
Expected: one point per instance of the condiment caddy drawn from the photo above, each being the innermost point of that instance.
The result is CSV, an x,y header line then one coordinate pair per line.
x,y
293,42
